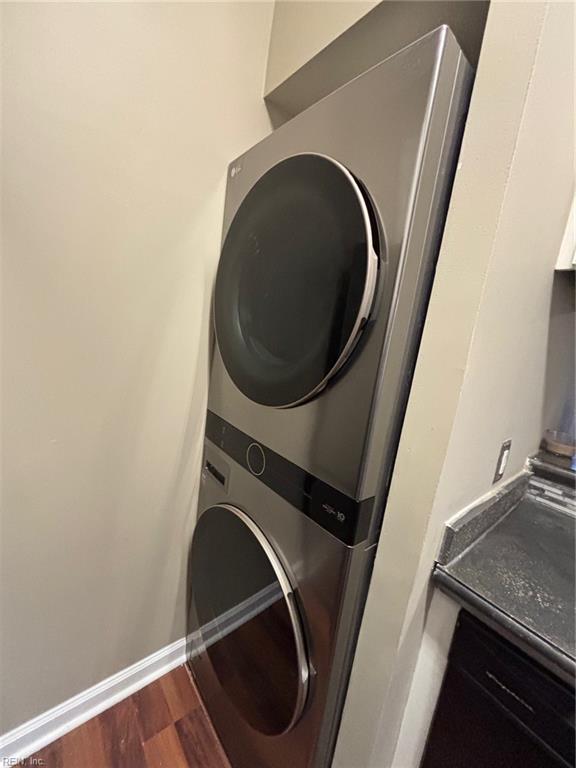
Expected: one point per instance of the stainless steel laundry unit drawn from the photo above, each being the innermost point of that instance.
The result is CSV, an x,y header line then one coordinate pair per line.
x,y
331,230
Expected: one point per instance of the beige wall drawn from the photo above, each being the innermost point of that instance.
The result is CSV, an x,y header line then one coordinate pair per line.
x,y
118,122
301,29
316,47
481,370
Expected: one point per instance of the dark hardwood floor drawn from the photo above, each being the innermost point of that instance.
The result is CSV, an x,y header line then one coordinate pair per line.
x,y
162,726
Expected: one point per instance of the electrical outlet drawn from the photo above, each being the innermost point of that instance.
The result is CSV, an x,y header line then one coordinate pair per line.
x,y
503,457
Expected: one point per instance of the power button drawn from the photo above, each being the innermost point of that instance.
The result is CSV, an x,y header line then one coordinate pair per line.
x,y
256,459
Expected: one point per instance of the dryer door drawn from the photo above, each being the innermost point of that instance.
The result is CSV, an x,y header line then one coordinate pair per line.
x,y
295,281
247,620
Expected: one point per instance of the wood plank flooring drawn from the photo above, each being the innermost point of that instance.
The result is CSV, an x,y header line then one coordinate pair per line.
x,y
162,726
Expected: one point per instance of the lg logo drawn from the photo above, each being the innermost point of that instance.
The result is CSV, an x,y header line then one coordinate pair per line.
x,y
340,516
235,170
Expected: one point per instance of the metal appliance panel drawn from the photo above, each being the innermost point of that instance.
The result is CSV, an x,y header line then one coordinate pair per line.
x,y
397,129
329,579
392,128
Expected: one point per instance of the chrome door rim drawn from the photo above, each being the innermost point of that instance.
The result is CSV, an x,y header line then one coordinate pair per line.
x,y
369,284
372,262
293,612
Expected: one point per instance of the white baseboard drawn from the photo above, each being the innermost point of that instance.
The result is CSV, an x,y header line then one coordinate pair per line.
x,y
28,738
31,736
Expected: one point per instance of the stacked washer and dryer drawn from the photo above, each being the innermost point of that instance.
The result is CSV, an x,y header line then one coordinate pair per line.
x,y
332,226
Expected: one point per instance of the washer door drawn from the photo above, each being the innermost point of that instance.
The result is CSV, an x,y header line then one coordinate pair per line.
x,y
295,281
245,610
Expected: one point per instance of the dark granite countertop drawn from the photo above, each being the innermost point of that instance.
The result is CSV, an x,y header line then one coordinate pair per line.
x,y
512,558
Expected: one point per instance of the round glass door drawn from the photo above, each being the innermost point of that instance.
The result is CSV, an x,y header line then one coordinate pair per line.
x,y
246,612
295,281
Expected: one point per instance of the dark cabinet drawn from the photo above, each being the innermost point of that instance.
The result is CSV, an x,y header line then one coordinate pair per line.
x,y
498,708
